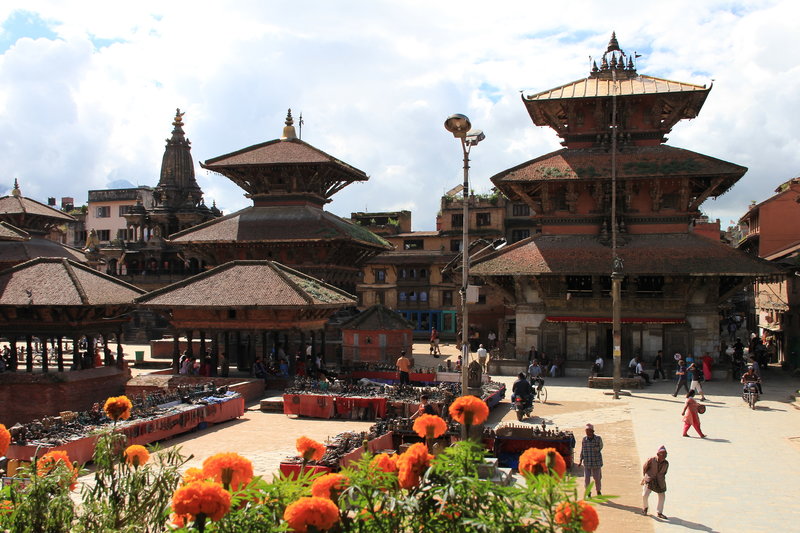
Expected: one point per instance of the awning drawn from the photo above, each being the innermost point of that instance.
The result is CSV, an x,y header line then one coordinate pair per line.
x,y
608,320
771,327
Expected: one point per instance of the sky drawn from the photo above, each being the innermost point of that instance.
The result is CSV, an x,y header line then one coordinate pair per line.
x,y
89,89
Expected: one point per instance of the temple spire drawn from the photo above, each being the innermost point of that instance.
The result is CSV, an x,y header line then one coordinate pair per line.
x,y
288,131
15,191
613,45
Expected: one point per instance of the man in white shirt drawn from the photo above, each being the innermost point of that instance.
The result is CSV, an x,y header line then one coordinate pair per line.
x,y
483,358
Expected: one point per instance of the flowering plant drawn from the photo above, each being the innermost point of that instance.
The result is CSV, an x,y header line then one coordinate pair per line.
x,y
5,440
469,410
430,426
136,455
310,450
118,408
230,469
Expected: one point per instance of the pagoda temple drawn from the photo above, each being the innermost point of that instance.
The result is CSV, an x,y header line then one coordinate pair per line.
x,y
289,182
177,204
616,189
24,226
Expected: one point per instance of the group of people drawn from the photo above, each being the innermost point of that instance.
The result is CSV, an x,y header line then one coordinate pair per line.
x,y
552,367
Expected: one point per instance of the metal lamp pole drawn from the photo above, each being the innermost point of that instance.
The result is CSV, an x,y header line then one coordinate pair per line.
x,y
461,128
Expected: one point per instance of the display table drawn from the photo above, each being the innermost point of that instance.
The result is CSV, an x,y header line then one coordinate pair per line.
x,y
344,406
495,397
508,449
313,405
385,376
143,431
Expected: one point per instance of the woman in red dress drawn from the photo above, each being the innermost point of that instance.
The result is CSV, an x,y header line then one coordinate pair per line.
x,y
707,362
690,415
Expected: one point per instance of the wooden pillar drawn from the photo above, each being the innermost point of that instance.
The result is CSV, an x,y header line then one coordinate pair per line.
x,y
214,353
77,364
251,350
202,344
14,354
226,363
322,343
265,346
238,340
29,353
189,339
120,355
45,353
90,349
108,358
60,352
176,352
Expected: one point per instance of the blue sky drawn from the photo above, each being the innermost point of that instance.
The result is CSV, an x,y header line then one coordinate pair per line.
x,y
90,88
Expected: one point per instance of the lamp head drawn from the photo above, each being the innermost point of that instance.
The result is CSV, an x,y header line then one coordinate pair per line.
x,y
458,125
474,137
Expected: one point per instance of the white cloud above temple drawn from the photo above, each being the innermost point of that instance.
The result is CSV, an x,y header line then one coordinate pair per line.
x,y
90,88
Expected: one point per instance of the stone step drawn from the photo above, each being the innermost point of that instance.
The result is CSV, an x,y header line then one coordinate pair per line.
x,y
273,404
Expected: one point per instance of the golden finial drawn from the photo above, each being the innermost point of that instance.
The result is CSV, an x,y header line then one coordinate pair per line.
x,y
15,191
288,130
178,117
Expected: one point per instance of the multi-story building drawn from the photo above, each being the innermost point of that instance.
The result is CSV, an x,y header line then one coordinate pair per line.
x,y
106,210
617,199
771,231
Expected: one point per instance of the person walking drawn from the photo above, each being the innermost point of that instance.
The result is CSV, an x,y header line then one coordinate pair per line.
x,y
435,351
658,363
680,374
404,367
483,358
654,471
592,459
691,415
695,377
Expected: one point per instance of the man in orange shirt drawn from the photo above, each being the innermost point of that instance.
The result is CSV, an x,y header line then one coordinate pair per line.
x,y
404,367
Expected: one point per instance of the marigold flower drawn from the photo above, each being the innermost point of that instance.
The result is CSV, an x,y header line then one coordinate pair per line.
x,y
5,440
136,455
534,461
201,498
430,426
310,450
230,469
329,486
118,408
469,410
50,461
385,462
320,513
412,464
179,520
193,474
587,513
6,507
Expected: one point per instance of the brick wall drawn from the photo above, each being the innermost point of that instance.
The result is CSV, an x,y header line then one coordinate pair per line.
x,y
24,397
251,389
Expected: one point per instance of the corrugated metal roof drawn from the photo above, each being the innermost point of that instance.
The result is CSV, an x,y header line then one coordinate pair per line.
x,y
595,87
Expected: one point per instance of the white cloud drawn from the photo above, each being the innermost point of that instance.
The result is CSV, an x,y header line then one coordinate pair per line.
x,y
375,81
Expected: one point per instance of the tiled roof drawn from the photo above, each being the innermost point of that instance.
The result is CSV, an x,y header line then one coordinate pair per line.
x,y
14,205
279,224
275,152
406,257
377,317
19,251
659,254
633,162
249,284
593,87
59,282
9,232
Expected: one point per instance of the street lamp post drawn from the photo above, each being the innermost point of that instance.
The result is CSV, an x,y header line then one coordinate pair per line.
x,y
461,128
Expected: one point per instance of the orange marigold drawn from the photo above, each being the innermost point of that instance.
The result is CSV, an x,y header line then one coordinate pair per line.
x,y
586,513
469,410
310,450
50,461
6,507
5,440
179,520
534,461
230,469
201,498
412,464
193,474
385,462
430,426
136,455
118,408
329,486
320,513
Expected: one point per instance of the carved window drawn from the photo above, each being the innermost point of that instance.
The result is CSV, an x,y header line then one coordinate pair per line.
x,y
520,210
447,298
649,285
457,221
579,285
103,211
483,219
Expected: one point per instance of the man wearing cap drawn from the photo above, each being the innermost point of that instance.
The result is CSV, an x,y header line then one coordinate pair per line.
x,y
592,459
654,480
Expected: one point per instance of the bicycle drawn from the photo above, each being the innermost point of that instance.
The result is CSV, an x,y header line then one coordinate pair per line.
x,y
539,390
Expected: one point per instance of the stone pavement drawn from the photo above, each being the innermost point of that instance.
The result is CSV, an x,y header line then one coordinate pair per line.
x,y
743,477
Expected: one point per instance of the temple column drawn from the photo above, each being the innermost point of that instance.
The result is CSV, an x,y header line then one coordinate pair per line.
x,y
77,363
45,354
13,354
60,352
189,339
226,362
176,352
90,348
238,340
28,353
202,345
120,355
107,354
214,353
